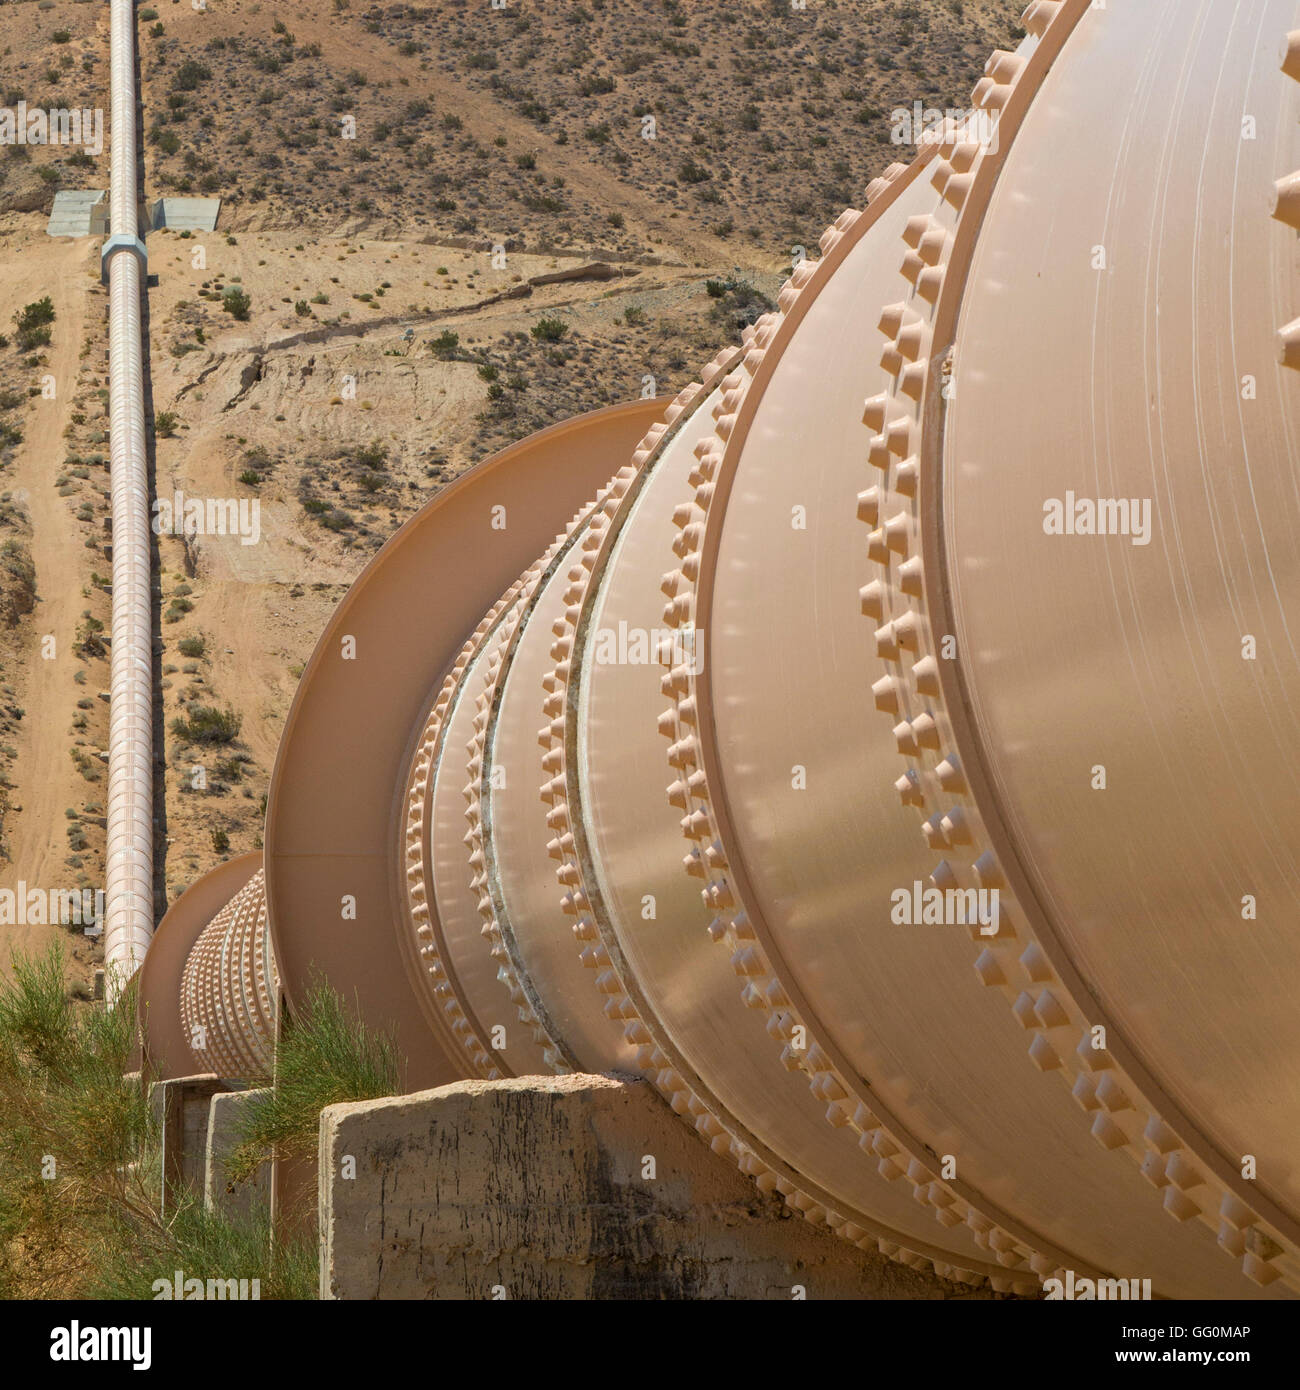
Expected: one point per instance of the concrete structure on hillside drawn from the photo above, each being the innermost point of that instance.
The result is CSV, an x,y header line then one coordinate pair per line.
x,y
906,790
185,214
79,212
84,212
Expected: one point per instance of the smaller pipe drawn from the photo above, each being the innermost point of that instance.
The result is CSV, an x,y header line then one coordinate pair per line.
x,y
129,916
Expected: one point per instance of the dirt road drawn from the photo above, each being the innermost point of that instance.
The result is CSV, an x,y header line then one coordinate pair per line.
x,y
46,779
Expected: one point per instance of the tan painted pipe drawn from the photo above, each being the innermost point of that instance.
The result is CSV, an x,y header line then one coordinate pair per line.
x,y
169,1049
804,665
334,855
229,989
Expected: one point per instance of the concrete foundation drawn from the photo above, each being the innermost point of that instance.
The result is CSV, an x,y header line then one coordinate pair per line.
x,y
220,1194
181,1109
181,214
582,1187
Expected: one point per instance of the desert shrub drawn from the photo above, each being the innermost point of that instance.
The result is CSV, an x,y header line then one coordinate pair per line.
x,y
190,74
96,1229
739,302
17,582
549,330
90,641
445,345
236,302
35,316
207,724
31,338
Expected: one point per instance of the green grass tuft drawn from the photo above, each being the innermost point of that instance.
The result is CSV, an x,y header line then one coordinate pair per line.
x,y
325,1057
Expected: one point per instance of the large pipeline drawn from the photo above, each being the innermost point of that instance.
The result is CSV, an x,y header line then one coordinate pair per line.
x,y
129,916
829,704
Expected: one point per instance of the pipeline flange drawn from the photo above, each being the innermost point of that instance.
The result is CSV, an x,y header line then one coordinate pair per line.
x,y
120,241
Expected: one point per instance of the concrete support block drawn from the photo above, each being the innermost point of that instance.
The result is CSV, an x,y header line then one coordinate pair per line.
x,y
220,1193
577,1187
180,1108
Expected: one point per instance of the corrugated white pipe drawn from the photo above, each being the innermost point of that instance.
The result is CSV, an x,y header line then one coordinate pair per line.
x,y
129,921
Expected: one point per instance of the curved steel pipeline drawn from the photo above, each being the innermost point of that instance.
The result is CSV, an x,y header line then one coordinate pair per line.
x,y
727,844
129,917
176,991
229,989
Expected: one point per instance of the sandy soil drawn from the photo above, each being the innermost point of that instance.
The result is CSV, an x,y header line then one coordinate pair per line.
x,y
47,781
